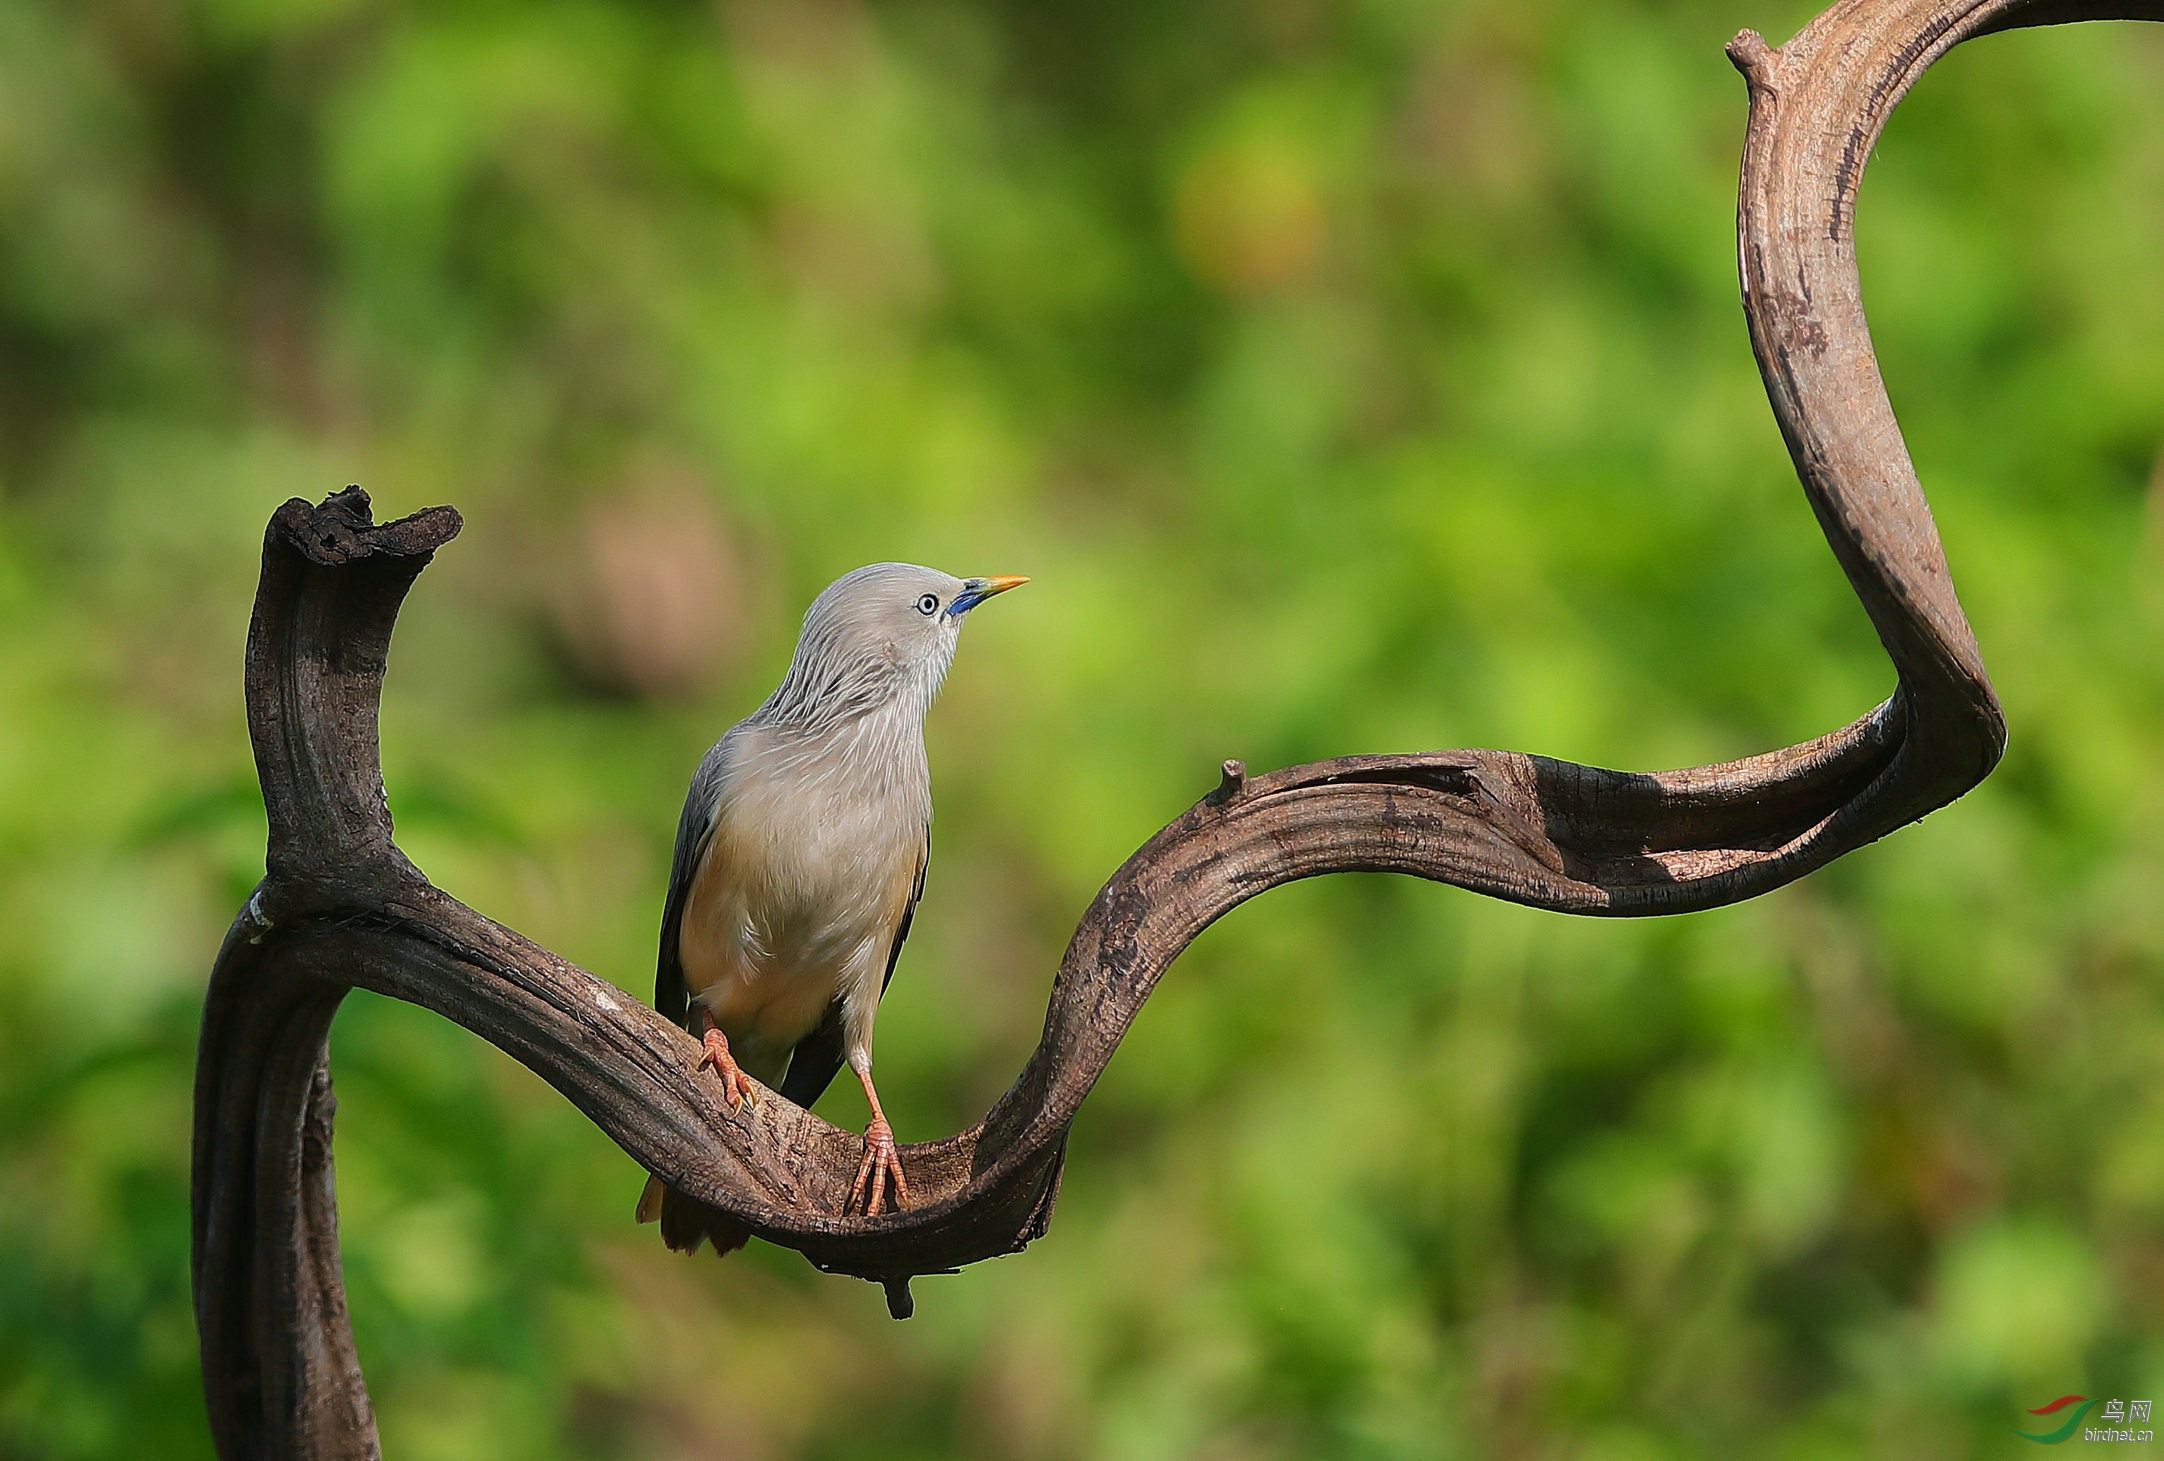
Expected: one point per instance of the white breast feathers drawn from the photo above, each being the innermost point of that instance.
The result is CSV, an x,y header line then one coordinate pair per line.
x,y
805,877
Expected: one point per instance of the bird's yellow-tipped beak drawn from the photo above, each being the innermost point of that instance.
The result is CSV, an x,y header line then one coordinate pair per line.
x,y
976,590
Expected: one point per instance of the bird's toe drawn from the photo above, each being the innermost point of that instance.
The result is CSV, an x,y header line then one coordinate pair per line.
x,y
882,1163
736,1087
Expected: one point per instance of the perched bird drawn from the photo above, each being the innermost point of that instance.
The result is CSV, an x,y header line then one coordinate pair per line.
x,y
800,857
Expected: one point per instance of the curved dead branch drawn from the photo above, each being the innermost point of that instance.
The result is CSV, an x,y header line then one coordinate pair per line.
x,y
342,908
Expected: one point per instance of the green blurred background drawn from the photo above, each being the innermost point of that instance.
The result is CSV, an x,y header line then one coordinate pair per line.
x,y
1351,375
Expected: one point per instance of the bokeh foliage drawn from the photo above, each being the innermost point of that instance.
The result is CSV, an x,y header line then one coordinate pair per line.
x,y
1351,375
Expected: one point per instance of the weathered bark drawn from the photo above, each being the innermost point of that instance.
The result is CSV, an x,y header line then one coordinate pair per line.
x,y
340,907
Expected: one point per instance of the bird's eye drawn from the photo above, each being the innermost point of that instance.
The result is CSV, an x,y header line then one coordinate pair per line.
x,y
928,605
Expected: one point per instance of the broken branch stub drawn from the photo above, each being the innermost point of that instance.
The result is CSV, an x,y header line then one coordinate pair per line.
x,y
340,907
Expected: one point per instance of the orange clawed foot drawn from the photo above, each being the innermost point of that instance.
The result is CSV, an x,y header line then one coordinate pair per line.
x,y
736,1087
881,1161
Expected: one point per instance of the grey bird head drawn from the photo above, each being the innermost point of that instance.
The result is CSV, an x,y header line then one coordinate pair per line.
x,y
879,638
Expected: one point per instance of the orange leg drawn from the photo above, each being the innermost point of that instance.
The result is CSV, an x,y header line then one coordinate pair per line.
x,y
736,1087
881,1160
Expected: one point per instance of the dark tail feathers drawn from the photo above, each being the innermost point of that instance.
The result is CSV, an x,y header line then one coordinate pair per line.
x,y
686,1220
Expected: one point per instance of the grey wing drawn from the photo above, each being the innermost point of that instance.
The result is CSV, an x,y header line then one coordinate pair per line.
x,y
693,829
818,1057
